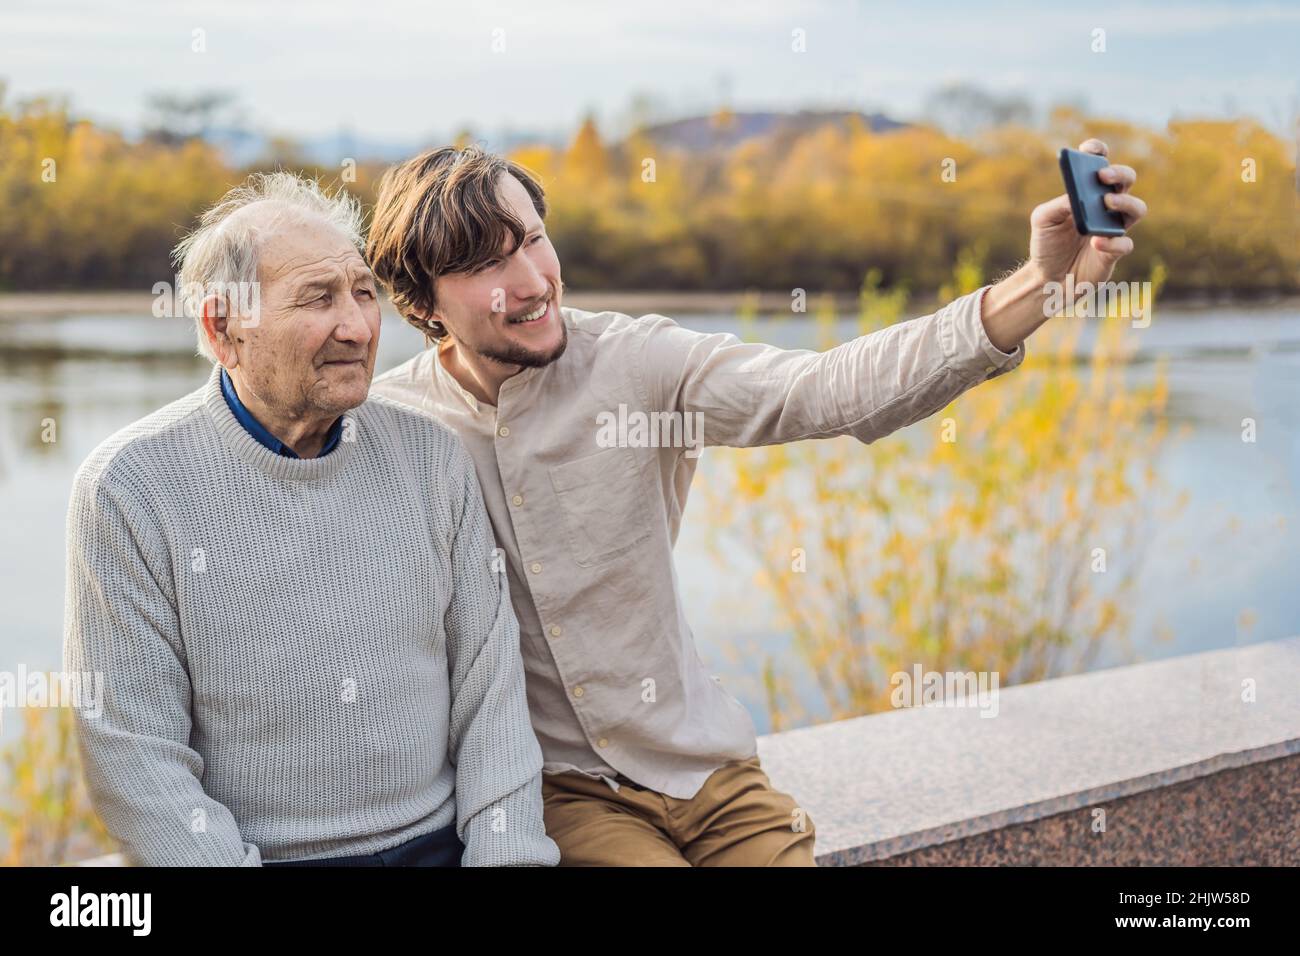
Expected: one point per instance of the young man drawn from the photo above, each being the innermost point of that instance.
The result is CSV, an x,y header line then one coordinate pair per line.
x,y
647,759
303,661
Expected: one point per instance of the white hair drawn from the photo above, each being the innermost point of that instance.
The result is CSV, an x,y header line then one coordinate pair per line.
x,y
221,253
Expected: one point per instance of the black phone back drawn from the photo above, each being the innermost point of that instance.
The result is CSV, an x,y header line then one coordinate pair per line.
x,y
1091,217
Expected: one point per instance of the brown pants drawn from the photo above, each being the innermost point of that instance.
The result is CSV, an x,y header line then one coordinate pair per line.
x,y
736,819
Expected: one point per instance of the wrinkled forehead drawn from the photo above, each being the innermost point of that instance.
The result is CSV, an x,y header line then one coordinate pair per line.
x,y
291,242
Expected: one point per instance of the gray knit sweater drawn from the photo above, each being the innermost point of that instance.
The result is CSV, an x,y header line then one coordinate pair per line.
x,y
301,658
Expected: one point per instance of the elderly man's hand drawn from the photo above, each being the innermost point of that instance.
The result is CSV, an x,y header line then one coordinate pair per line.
x,y
1055,247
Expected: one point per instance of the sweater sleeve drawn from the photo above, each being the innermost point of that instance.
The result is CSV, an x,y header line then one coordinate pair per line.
x,y
120,622
497,757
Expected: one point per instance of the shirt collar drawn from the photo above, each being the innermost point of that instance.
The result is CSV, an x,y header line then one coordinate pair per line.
x,y
258,430
449,382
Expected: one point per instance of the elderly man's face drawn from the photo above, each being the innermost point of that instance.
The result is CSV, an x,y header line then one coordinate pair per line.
x,y
312,350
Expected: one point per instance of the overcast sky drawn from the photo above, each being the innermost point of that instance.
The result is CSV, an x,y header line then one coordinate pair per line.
x,y
398,69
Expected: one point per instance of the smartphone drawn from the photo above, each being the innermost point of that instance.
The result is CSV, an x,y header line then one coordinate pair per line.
x,y
1091,215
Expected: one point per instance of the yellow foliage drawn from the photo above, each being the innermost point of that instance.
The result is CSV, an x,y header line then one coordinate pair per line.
x,y
45,814
811,210
974,554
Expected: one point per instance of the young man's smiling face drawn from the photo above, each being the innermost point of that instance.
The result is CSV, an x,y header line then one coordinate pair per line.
x,y
508,311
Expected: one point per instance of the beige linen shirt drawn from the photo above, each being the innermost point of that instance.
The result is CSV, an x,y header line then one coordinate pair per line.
x,y
587,515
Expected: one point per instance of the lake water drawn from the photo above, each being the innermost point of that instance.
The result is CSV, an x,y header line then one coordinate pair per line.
x,y
1224,572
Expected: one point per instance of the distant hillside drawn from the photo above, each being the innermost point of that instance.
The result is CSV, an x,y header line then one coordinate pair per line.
x,y
242,147
706,132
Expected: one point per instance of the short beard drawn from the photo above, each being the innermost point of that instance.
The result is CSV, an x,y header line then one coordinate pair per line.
x,y
527,358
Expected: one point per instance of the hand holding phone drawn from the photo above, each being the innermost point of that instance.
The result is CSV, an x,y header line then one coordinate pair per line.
x,y
1087,194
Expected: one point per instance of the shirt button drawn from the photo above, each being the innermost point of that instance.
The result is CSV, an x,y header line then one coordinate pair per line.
x,y
602,742
577,692
536,568
556,630
989,369
518,499
504,431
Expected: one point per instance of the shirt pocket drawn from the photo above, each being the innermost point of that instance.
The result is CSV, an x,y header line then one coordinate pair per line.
x,y
606,510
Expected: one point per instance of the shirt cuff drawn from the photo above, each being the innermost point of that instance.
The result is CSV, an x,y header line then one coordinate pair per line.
x,y
966,343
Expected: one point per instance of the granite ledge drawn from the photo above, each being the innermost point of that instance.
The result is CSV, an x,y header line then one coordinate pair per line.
x,y
888,784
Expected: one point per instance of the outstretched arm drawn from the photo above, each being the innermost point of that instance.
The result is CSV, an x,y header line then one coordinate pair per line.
x,y
747,394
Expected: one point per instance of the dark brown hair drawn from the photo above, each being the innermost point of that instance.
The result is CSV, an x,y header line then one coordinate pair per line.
x,y
440,213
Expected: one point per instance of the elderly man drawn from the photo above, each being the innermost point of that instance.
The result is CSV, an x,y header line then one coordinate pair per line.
x,y
648,760
308,653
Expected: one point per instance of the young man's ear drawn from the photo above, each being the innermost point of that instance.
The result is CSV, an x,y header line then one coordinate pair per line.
x,y
431,325
219,329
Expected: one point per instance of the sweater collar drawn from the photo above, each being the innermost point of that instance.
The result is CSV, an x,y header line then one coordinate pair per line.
x,y
246,447
260,431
